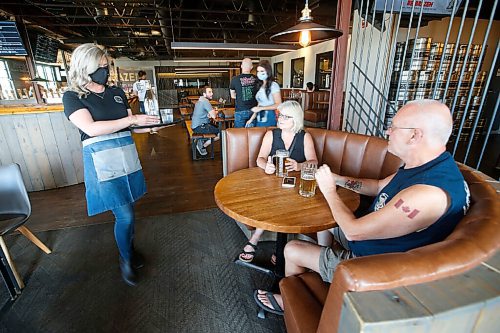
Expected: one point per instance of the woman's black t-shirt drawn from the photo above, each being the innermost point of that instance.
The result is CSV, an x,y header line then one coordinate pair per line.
x,y
110,105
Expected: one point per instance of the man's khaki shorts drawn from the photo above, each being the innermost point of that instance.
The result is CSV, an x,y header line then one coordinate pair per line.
x,y
330,257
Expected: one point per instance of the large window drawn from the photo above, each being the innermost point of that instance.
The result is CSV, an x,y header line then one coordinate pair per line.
x,y
7,90
278,73
297,74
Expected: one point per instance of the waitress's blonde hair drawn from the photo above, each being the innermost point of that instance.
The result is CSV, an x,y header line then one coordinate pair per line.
x,y
84,61
293,109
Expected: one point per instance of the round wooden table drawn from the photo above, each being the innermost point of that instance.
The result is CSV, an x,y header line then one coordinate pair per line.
x,y
252,197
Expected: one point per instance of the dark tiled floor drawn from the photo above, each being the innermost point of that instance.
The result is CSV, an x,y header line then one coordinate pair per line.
x,y
189,284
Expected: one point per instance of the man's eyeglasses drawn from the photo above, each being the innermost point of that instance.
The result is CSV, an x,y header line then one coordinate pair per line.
x,y
284,116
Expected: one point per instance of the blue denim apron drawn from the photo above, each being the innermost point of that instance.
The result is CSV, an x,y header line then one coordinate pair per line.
x,y
112,172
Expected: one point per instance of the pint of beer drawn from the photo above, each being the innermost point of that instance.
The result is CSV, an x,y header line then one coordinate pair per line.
x,y
279,161
307,181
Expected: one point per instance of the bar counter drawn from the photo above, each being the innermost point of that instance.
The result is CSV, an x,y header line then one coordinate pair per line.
x,y
43,142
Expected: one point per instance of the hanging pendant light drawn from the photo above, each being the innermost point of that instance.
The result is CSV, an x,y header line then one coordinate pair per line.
x,y
306,32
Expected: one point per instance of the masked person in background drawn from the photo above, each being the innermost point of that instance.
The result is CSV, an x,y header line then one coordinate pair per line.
x,y
112,170
268,97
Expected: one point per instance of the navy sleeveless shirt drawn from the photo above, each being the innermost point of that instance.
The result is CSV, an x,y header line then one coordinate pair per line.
x,y
297,145
441,172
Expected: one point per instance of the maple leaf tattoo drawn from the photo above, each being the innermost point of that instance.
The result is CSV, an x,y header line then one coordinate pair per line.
x,y
406,209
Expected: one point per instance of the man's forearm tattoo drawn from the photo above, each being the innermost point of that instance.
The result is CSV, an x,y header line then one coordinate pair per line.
x,y
354,185
407,210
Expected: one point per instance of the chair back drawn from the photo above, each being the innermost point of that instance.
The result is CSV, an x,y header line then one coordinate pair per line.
x,y
14,198
240,148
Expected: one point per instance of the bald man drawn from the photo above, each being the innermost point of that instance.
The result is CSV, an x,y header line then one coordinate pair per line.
x,y
418,205
243,89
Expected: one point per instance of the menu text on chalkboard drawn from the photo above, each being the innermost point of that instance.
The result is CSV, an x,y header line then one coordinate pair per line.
x,y
46,49
10,40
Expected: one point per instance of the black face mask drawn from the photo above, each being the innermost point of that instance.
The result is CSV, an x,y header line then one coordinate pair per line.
x,y
100,76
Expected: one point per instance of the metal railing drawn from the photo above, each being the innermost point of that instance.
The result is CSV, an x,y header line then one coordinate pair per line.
x,y
400,52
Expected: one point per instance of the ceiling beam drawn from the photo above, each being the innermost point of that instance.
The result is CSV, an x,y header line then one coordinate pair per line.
x,y
231,46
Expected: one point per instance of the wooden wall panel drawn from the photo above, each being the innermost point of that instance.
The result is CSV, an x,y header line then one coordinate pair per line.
x,y
37,149
52,150
75,146
15,148
5,156
26,150
63,145
46,146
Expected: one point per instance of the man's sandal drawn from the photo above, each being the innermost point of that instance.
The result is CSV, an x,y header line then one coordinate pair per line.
x,y
276,309
248,253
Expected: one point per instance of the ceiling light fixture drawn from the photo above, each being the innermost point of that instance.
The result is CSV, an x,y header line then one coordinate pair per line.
x,y
306,32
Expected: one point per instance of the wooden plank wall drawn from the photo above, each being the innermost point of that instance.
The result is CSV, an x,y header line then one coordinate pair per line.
x,y
469,302
46,146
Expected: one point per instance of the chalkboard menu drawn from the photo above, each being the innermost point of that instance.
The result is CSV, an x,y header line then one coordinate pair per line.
x,y
10,40
46,49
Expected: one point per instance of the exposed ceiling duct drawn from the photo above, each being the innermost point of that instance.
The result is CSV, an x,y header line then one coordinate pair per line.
x,y
142,29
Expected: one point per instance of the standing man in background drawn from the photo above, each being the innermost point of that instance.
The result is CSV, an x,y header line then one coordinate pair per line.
x,y
139,89
243,88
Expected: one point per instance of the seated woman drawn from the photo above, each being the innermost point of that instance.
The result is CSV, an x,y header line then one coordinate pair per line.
x,y
289,135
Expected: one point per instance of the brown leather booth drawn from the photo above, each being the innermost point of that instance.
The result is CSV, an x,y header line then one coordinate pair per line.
x,y
314,306
316,108
348,154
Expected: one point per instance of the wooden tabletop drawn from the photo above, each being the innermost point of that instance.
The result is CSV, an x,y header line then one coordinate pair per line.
x,y
256,199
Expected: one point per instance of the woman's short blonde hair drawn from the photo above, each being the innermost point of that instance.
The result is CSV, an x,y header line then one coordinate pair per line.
x,y
293,109
84,61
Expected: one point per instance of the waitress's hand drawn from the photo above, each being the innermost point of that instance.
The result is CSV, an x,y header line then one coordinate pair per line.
x,y
270,167
143,120
292,165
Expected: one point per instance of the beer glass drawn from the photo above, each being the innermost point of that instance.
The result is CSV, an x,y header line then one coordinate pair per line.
x,y
279,162
307,181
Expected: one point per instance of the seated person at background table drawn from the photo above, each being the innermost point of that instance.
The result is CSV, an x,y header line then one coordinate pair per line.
x,y
418,205
112,170
202,113
268,97
243,89
310,87
289,135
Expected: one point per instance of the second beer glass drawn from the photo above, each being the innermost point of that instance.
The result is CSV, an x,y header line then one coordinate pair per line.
x,y
307,181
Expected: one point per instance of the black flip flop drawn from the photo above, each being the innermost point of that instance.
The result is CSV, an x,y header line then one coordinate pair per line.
x,y
252,253
274,303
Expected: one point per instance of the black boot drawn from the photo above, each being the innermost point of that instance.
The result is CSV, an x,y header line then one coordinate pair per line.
x,y
128,273
137,259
